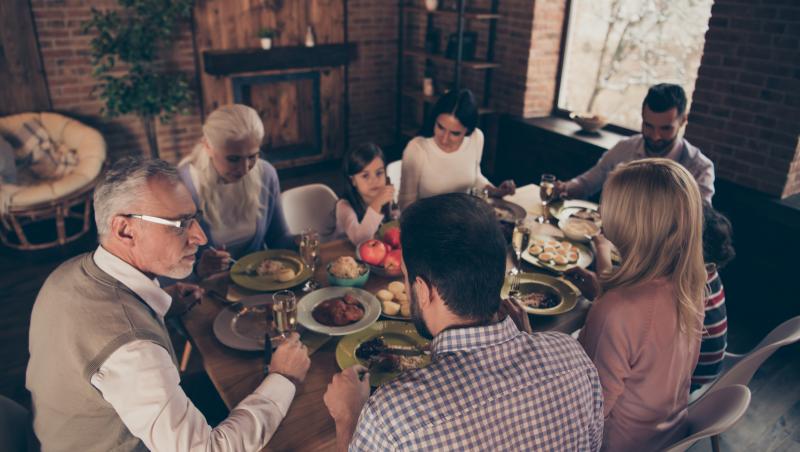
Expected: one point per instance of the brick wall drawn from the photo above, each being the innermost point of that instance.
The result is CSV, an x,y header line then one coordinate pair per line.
x,y
746,102
67,65
372,25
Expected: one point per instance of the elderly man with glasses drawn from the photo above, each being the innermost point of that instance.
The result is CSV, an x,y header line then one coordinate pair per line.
x,y
102,372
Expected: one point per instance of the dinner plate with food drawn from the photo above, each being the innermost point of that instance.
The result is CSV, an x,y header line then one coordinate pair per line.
x,y
543,294
557,254
386,348
270,270
338,311
506,211
560,209
395,301
242,326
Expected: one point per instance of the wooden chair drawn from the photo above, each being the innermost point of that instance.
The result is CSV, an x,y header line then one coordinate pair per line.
x,y
713,415
66,201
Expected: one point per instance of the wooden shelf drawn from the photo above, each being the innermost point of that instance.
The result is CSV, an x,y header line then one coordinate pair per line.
x,y
472,64
472,15
417,94
225,62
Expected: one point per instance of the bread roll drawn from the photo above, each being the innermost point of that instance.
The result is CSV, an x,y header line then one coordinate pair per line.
x,y
405,310
384,295
396,287
401,297
285,275
390,308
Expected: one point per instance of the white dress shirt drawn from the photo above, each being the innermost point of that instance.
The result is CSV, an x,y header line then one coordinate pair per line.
x,y
141,382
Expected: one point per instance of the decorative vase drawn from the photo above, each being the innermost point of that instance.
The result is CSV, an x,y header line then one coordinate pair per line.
x,y
310,40
266,43
431,5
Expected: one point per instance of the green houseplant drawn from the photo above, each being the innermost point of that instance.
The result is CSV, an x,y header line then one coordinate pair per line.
x,y
266,34
124,54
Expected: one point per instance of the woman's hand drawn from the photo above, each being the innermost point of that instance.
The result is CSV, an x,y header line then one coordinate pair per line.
x,y
585,280
385,196
213,261
508,187
603,247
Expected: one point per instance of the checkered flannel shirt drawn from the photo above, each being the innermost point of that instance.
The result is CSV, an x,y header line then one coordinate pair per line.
x,y
489,388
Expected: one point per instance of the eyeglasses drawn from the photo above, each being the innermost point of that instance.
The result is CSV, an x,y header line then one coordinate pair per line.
x,y
182,224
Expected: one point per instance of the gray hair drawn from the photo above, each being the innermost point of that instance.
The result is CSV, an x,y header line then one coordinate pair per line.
x,y
123,185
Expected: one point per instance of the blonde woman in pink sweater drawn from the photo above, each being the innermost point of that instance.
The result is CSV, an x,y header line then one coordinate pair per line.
x,y
643,332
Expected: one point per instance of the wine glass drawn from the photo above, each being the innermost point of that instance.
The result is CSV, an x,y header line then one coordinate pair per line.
x,y
519,240
309,248
547,190
284,308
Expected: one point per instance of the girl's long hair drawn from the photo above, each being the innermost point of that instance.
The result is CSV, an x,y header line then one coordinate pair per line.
x,y
653,213
352,164
227,123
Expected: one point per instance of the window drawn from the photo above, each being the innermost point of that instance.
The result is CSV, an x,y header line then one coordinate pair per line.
x,y
616,49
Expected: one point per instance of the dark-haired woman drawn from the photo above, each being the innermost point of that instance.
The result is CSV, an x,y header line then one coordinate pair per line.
x,y
365,201
446,158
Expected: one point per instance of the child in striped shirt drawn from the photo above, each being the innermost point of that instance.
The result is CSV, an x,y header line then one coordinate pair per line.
x,y
717,252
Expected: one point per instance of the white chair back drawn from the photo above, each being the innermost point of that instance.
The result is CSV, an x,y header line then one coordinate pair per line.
x,y
310,206
742,372
395,172
714,414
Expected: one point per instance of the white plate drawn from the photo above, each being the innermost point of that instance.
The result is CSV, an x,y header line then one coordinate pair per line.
x,y
585,255
371,305
241,331
567,207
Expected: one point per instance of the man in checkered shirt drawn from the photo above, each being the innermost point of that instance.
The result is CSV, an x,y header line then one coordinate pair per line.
x,y
489,387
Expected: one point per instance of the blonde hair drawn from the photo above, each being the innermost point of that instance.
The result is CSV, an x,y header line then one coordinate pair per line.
x,y
652,211
227,124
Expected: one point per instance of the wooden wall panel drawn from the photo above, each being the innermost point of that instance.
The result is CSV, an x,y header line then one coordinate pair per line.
x,y
22,84
234,24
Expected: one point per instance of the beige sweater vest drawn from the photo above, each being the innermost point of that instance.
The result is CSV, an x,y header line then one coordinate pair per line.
x,y
81,316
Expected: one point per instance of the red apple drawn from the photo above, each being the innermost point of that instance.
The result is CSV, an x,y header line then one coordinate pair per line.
x,y
372,251
392,237
392,262
388,247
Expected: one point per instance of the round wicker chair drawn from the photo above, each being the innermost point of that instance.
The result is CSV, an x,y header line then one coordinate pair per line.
x,y
66,201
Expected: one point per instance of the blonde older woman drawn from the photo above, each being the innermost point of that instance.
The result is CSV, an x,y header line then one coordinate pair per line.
x,y
643,332
238,193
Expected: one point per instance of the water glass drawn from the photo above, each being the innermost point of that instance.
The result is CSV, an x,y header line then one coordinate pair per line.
x,y
309,249
284,308
547,188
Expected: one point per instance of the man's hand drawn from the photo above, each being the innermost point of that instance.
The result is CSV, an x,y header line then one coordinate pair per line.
x,y
184,296
346,396
508,187
510,308
213,261
291,359
560,190
585,280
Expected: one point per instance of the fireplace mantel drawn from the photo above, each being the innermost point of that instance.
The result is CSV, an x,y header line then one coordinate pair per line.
x,y
226,62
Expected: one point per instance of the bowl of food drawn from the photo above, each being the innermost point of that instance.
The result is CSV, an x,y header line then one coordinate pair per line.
x,y
579,229
589,122
346,272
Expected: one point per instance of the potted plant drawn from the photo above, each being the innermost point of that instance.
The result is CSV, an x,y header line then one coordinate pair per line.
x,y
266,34
132,35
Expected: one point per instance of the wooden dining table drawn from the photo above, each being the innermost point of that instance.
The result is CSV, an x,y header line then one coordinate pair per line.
x,y
308,426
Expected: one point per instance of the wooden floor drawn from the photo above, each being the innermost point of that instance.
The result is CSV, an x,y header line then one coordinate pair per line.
x,y
772,422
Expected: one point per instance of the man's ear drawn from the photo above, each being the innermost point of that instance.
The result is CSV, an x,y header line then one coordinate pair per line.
x,y
684,119
424,292
122,230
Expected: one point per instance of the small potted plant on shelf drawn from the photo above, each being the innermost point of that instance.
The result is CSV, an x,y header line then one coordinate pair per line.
x,y
266,34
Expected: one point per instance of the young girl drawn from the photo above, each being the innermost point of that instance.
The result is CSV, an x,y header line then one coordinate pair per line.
x,y
717,252
643,331
366,200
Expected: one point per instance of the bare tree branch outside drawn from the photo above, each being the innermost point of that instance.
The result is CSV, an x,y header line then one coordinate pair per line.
x,y
616,49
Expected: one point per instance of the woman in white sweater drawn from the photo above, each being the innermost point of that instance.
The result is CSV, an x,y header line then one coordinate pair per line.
x,y
446,158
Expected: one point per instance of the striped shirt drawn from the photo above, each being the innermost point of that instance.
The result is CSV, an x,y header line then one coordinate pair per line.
x,y
489,388
715,333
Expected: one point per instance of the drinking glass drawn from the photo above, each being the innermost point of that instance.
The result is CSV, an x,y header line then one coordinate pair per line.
x,y
519,240
309,248
284,308
547,188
